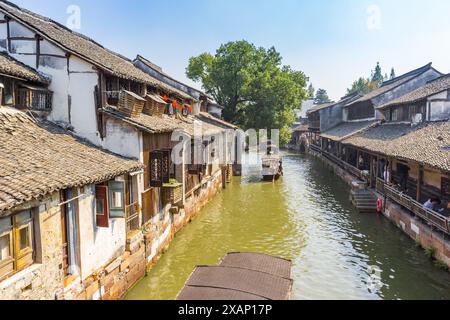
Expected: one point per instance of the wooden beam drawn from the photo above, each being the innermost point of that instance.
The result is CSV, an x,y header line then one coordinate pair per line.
x,y
419,183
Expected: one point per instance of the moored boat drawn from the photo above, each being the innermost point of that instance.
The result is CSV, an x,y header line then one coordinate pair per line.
x,y
272,164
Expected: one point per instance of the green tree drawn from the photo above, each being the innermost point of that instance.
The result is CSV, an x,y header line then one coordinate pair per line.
x,y
321,97
377,76
392,74
311,91
361,86
256,90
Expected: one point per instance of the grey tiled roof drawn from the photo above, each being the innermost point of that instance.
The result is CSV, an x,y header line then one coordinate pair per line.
x,y
39,158
347,129
318,107
392,84
83,47
431,88
165,123
11,67
427,144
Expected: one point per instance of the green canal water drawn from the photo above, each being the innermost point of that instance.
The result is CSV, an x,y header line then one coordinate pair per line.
x,y
306,217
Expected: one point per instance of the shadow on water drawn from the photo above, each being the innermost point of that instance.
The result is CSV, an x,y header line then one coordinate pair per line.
x,y
306,217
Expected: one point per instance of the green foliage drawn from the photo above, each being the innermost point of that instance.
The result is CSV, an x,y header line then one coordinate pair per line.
x,y
430,252
392,74
256,90
441,265
377,75
361,86
321,97
365,85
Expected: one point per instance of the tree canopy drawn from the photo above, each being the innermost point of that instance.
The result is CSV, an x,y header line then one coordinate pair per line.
x,y
256,90
365,85
321,97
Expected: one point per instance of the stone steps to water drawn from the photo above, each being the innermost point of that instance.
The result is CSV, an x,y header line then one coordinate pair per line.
x,y
364,200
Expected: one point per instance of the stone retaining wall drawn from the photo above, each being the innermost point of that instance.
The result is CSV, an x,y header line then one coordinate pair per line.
x,y
144,249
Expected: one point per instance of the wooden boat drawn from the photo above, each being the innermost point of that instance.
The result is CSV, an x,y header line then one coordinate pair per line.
x,y
272,164
241,276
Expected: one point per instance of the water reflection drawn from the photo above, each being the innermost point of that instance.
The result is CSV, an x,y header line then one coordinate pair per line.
x,y
306,217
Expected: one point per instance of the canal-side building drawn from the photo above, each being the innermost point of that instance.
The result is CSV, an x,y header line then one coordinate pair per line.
x,y
203,102
361,113
62,210
104,98
326,116
300,138
402,157
413,142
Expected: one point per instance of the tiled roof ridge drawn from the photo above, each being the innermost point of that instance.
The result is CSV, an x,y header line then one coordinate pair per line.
x,y
58,24
421,93
160,70
415,72
11,113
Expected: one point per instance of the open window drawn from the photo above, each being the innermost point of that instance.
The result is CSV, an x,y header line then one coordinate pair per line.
x,y
109,202
102,206
116,199
16,243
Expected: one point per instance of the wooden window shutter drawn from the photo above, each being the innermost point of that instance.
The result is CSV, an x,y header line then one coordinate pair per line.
x,y
116,199
101,207
166,163
156,178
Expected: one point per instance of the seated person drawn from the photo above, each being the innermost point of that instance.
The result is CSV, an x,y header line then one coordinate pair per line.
x,y
432,203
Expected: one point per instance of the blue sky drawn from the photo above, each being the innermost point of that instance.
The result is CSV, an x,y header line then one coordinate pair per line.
x,y
332,41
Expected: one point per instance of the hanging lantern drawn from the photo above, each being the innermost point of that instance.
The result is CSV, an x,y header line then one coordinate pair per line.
x,y
165,98
183,106
174,103
189,108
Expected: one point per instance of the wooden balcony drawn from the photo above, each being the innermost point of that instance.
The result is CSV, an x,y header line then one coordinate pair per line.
x,y
132,213
433,218
34,98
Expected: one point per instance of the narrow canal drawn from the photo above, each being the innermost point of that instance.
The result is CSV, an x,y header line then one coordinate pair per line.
x,y
306,217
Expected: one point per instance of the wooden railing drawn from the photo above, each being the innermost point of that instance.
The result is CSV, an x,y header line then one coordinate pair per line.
x,y
435,219
40,100
315,148
380,186
344,165
132,216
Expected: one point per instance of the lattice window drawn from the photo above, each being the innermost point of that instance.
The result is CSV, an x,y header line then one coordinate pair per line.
x,y
156,169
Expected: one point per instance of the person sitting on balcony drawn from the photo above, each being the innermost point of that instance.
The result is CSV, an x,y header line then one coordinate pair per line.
x,y
432,203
